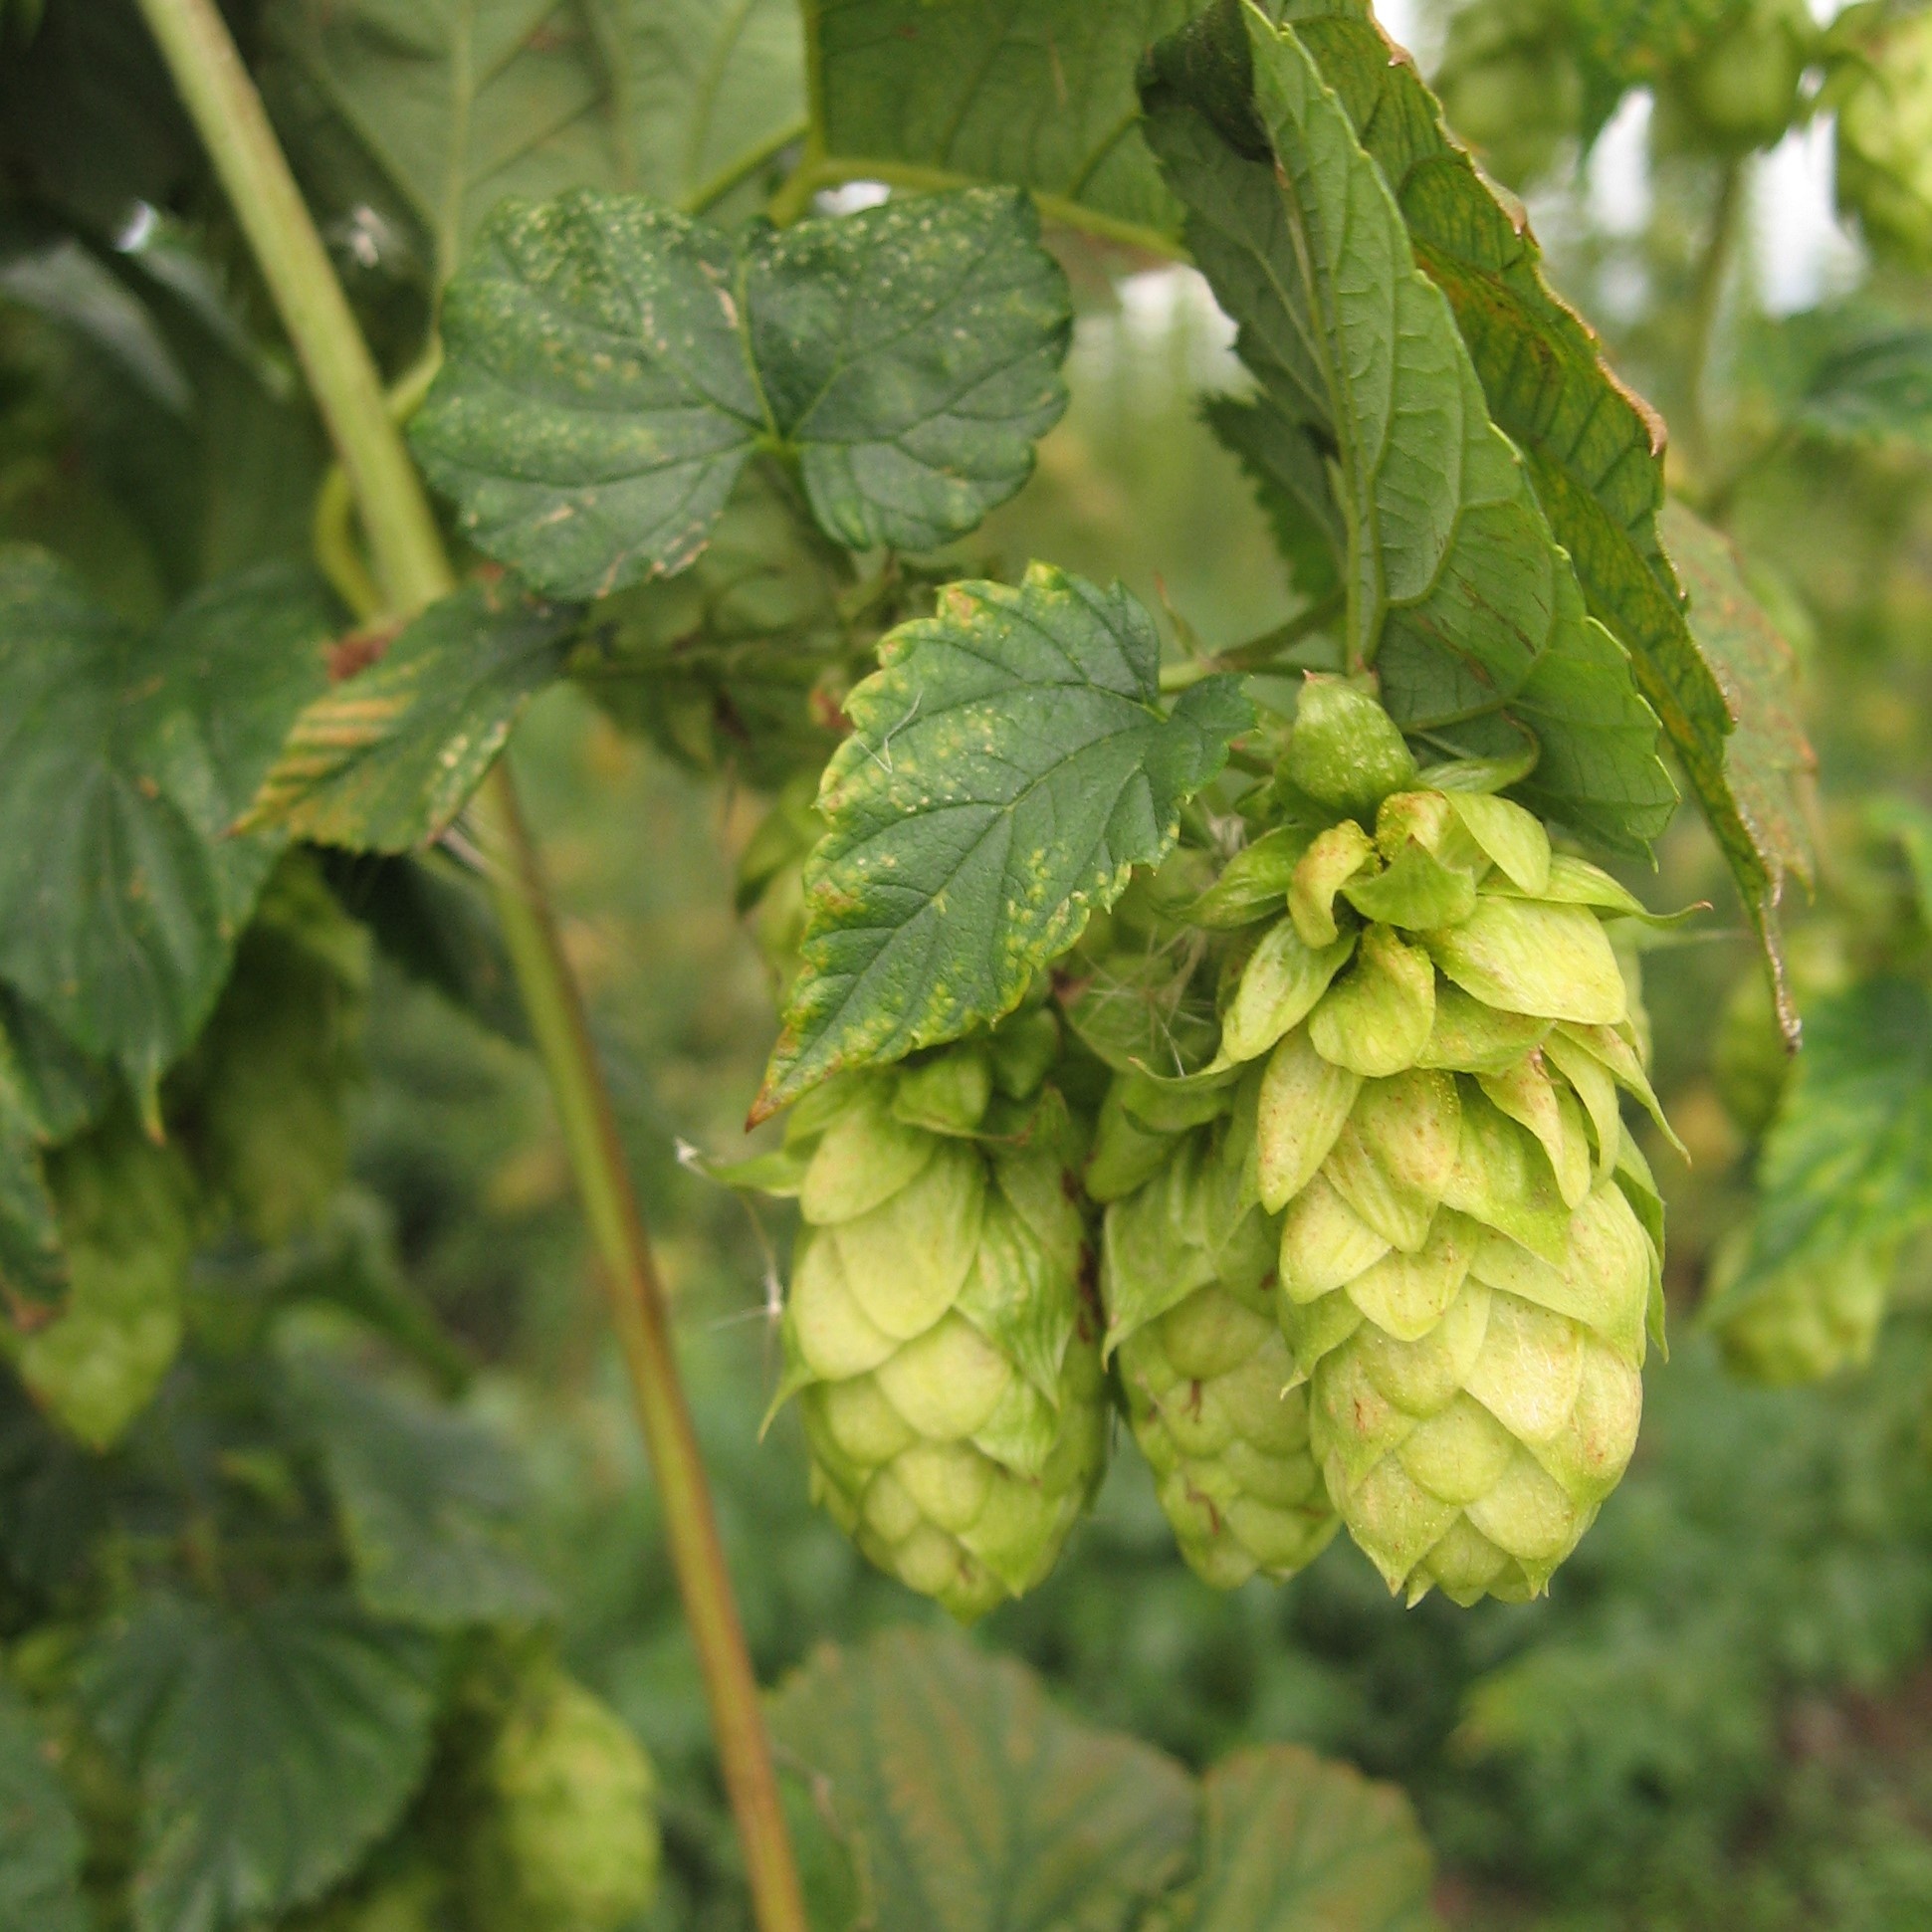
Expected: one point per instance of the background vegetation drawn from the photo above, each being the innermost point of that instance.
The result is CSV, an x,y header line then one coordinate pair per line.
x,y
1722,1714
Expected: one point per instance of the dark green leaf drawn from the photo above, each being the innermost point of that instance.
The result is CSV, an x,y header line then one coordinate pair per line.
x,y
1593,448
1008,766
429,1500
1767,762
64,1089
33,1269
261,1101
274,1744
40,1838
611,367
1457,591
1855,374
972,1804
88,121
387,758
124,762
433,918
125,1210
741,663
1286,466
1847,1163
1036,93
1296,1844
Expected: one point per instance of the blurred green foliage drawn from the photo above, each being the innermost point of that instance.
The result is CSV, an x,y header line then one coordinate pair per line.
x,y
1722,1715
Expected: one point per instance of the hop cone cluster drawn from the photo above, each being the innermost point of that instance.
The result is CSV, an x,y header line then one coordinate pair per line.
x,y
1188,1277
936,1328
1469,1240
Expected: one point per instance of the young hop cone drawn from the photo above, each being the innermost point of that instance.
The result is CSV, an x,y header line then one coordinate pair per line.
x,y
1470,1242
1188,1279
569,1836
937,1330
1808,1320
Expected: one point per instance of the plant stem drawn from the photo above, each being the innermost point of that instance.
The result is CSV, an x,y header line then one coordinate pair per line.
x,y
414,569
1271,650
1707,303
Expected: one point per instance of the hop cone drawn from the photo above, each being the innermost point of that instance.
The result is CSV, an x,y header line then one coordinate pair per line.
x,y
1187,1276
935,1329
1470,1241
1885,140
1808,1320
569,1840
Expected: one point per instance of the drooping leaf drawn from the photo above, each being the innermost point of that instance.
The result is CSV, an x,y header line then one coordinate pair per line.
x,y
1457,590
1035,92
1009,765
1847,1163
971,1803
1293,1844
429,1499
387,758
125,1209
124,762
1593,448
274,1743
40,1838
611,367
1768,761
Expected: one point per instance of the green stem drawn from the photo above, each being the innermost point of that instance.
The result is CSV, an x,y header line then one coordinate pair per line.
x,y
1270,651
1707,303
701,200
414,569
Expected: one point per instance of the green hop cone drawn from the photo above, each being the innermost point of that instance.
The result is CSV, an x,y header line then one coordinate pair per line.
x,y
1470,1241
1807,1321
567,1839
937,1330
1739,90
1885,140
1187,1278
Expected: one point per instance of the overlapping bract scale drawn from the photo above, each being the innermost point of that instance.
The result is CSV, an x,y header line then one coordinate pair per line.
x,y
937,1331
1187,1275
1471,1241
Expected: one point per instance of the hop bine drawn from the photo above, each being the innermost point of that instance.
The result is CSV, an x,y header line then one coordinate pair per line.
x,y
937,1330
1470,1242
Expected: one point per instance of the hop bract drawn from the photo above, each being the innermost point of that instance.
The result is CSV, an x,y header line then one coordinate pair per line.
x,y
1187,1275
1469,1239
937,1330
